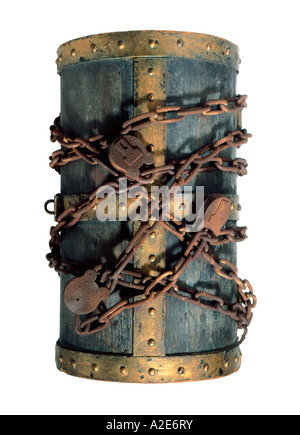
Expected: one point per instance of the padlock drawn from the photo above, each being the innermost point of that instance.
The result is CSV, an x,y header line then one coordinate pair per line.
x,y
127,154
83,295
217,211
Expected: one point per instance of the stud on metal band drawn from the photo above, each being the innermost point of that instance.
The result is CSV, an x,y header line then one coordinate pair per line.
x,y
146,44
147,369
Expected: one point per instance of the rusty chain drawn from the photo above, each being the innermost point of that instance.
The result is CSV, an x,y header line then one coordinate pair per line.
x,y
90,150
206,159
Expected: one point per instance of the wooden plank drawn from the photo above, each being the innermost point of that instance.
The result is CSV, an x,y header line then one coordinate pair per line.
x,y
191,82
95,98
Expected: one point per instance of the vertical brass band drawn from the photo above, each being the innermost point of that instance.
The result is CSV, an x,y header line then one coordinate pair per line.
x,y
149,321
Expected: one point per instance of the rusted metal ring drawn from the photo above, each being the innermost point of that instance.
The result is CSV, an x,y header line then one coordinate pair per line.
x,y
46,206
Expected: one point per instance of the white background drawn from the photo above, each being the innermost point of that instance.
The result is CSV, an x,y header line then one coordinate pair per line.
x,y
268,36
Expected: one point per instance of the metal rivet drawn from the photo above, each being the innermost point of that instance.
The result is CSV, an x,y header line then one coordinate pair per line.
x,y
121,45
228,51
151,72
151,372
151,342
123,370
180,370
151,311
95,368
206,367
73,363
73,52
182,206
208,47
239,207
60,359
232,206
151,43
94,48
122,206
60,58
150,148
236,359
180,43
152,258
226,363
150,97
152,235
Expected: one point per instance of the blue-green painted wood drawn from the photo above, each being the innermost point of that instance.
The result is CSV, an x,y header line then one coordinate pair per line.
x,y
191,82
95,98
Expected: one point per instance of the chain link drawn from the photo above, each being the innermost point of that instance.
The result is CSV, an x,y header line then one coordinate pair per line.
x,y
90,150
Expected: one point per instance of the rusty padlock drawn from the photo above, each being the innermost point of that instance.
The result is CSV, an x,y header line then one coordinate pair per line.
x,y
127,154
217,211
83,295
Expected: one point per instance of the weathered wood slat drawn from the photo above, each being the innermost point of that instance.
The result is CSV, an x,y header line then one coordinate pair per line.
x,y
192,82
95,98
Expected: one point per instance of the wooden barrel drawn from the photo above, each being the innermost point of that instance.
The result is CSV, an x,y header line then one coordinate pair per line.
x,y
107,79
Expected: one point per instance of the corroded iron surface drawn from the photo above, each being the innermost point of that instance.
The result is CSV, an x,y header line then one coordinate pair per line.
x,y
83,295
218,209
127,154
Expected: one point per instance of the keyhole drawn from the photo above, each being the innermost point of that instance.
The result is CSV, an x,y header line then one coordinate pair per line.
x,y
124,148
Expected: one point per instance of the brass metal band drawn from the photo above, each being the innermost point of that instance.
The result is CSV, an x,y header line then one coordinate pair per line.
x,y
145,369
148,44
63,202
149,90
